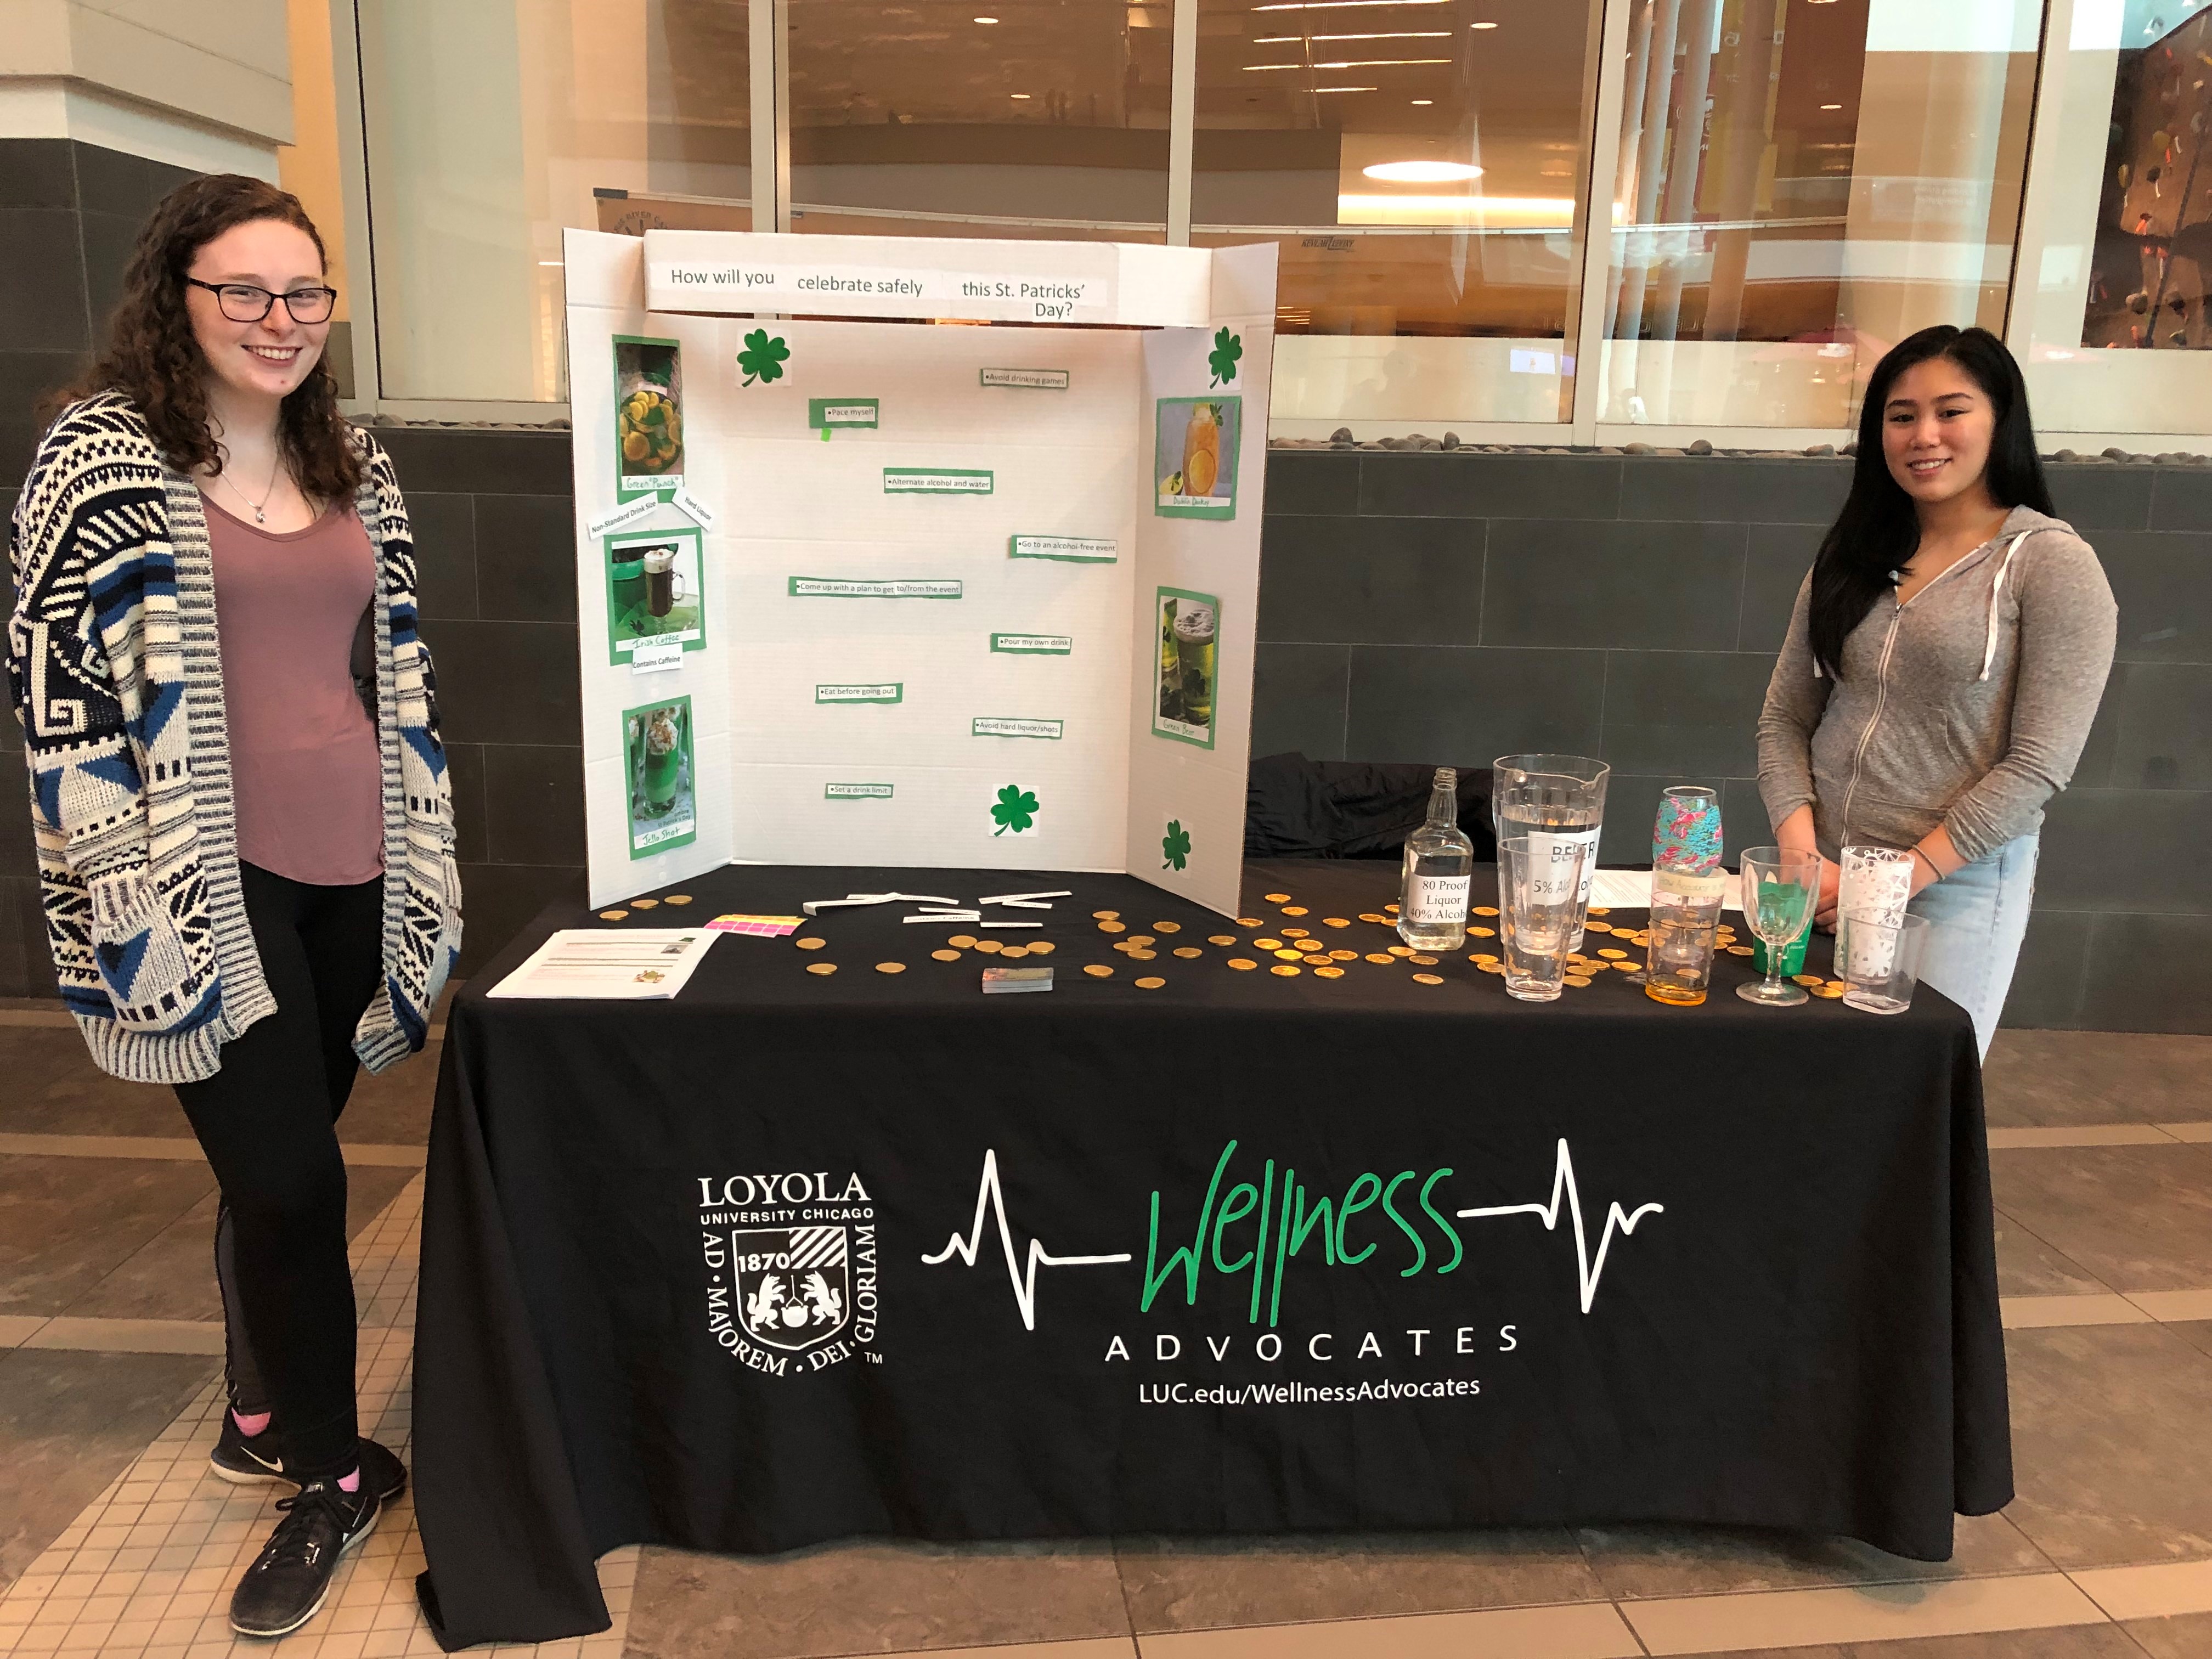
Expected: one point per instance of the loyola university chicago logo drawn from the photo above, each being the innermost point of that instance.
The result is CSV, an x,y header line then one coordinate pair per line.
x,y
791,1268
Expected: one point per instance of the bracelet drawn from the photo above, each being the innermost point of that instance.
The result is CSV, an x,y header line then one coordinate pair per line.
x,y
1929,862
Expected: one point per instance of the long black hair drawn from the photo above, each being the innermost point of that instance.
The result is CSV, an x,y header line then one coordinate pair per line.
x,y
1879,529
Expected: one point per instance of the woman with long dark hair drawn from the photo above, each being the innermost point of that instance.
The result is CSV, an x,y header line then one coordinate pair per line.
x,y
238,798
1944,661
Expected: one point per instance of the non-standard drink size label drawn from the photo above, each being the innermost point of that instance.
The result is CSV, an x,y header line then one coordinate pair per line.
x,y
1555,851
893,692
875,587
1437,900
1073,549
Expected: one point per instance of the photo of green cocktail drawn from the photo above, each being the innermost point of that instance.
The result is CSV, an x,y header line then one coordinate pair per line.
x,y
1194,650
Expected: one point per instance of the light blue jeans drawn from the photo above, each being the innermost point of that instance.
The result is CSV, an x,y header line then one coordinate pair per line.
x,y
1976,919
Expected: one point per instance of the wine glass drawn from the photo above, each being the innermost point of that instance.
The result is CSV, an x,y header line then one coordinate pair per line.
x,y
1780,885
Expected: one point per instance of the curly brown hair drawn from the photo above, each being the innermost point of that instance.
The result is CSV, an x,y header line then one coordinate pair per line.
x,y
152,358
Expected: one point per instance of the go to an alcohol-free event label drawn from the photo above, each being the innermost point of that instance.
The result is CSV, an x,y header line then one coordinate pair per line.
x,y
999,726
1033,645
1027,379
1072,550
935,481
657,759
839,414
875,587
856,791
893,692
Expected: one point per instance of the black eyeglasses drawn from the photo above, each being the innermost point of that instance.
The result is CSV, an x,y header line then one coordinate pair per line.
x,y
242,302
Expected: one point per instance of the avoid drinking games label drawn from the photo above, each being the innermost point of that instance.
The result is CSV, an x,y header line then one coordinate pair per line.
x,y
999,726
856,791
1033,645
1074,549
894,692
864,587
939,481
1033,379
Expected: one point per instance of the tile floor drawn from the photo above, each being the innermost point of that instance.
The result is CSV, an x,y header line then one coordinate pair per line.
x,y
115,1538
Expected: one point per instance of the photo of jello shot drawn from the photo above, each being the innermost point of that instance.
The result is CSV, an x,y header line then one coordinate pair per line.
x,y
658,750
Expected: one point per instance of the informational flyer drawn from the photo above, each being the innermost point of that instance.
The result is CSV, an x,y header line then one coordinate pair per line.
x,y
648,417
1188,668
663,798
656,593
1195,456
632,964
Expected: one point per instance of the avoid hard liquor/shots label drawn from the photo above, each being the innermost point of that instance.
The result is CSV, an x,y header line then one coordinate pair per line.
x,y
867,587
1073,549
993,725
893,692
935,481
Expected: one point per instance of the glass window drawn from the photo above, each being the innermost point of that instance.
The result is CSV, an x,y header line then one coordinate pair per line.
x,y
1420,164
2125,193
493,125
982,117
1801,184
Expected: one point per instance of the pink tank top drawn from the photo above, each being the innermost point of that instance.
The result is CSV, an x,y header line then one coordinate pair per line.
x,y
307,776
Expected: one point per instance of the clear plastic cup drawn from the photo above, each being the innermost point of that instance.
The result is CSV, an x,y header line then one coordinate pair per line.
x,y
1880,961
1539,898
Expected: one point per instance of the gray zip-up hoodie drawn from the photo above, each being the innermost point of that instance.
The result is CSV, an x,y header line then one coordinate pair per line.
x,y
1966,707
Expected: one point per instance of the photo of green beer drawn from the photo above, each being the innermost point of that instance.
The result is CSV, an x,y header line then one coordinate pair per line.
x,y
1188,665
657,756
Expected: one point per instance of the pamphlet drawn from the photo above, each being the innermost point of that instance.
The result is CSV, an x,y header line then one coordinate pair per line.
x,y
618,964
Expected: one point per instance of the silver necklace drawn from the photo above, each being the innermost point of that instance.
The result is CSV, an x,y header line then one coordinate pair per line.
x,y
259,516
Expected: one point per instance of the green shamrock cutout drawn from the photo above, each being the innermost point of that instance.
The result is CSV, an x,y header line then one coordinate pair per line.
x,y
1227,348
762,357
1016,810
1175,844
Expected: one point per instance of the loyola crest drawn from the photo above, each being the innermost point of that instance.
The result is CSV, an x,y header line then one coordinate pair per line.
x,y
794,1285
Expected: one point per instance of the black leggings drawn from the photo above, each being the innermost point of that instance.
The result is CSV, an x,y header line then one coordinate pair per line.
x,y
268,1122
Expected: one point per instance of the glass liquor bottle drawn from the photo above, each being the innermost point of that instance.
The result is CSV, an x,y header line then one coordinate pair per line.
x,y
1439,866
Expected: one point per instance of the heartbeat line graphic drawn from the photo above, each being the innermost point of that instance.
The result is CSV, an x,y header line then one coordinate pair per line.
x,y
1563,1181
1022,1277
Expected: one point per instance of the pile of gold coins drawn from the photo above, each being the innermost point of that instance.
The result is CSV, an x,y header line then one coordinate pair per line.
x,y
645,904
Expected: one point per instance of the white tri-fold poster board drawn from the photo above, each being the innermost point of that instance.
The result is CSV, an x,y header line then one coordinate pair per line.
x,y
863,586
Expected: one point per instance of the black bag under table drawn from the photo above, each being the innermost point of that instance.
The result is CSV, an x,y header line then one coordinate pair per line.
x,y
794,1257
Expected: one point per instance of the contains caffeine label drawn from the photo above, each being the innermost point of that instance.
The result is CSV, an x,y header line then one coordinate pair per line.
x,y
1437,900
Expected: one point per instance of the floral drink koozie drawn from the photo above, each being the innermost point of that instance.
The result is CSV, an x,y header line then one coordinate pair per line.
x,y
1877,883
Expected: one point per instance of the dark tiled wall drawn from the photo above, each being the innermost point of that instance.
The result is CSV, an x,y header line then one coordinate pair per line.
x,y
1453,607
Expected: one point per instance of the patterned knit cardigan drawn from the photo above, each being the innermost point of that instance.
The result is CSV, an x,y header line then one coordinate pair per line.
x,y
115,671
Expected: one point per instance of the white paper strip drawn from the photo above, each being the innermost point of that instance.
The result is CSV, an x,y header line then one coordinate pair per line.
x,y
657,656
948,915
1013,924
701,514
1016,898
628,513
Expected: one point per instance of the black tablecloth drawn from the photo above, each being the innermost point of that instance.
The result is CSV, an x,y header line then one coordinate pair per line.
x,y
787,1259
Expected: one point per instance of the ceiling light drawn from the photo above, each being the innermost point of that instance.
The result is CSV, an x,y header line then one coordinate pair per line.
x,y
1407,34
1417,102
1020,95
1352,63
1831,106
1482,25
1422,172
986,20
1331,5
1346,89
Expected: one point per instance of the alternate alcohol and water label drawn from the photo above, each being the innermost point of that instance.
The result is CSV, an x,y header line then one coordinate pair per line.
x,y
1072,550
936,481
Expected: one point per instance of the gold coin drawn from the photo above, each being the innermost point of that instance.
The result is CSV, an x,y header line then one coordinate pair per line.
x,y
676,898
1480,957
1318,959
1142,956
1600,928
1739,949
616,915
1221,938
891,966
1243,964
1374,916
1013,950
1421,961
1106,915
1267,944
1336,921
1042,947
962,941
1250,922
1579,981
1379,957
1140,941
1400,950
1167,927
1428,979
1276,898
1600,909
1838,985
1287,954
1830,992
1491,967
1186,952
1113,927
1614,956
1285,971
1485,910
1150,983
1294,909
1625,967
1344,956
1099,970
1482,932
990,947
945,956
1392,909
810,944
1292,932
821,967
1328,973
1122,948
643,904
1808,980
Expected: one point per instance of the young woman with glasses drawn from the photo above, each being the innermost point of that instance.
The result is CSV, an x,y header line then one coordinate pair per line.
x,y
240,800
1944,662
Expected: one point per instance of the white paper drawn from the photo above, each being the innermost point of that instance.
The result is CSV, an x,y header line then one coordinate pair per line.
x,y
1630,889
628,513
632,964
656,656
701,514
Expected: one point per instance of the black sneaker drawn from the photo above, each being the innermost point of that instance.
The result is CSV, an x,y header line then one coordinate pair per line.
x,y
245,1460
381,1472
285,1586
